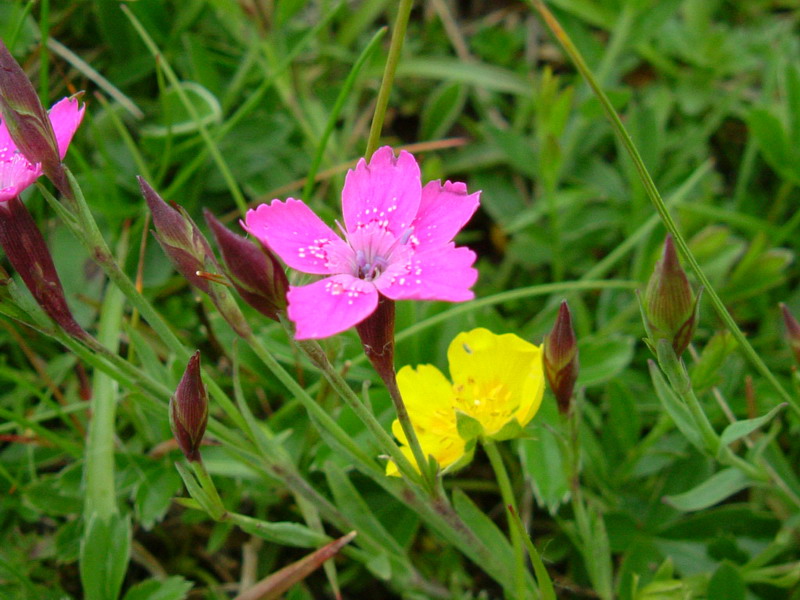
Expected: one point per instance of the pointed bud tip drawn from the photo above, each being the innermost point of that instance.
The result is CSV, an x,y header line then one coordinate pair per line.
x,y
560,358
669,303
669,257
188,410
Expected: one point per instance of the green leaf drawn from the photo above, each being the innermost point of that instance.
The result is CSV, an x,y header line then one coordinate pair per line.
x,y
603,358
176,118
509,431
105,550
285,533
154,495
726,584
483,76
358,511
469,427
738,430
172,588
675,408
706,371
442,109
717,488
544,461
772,140
484,528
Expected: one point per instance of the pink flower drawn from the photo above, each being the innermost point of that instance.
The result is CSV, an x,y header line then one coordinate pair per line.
x,y
16,171
398,242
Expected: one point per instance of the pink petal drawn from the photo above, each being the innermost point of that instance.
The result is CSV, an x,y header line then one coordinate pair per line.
x,y
387,191
441,273
330,306
299,237
16,173
66,115
443,211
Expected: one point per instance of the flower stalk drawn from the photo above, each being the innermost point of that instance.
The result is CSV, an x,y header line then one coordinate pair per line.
x,y
509,500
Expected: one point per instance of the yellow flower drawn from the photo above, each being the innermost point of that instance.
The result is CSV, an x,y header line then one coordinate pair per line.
x,y
497,387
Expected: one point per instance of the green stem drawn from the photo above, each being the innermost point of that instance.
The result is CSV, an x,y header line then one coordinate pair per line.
x,y
658,203
395,47
507,492
317,356
85,229
427,470
100,494
315,410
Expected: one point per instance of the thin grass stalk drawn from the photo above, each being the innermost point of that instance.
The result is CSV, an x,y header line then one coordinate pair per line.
x,y
395,48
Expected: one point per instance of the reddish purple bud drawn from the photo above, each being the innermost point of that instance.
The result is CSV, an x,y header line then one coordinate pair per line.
x,y
792,331
27,121
253,270
188,410
184,244
669,303
560,358
377,338
28,254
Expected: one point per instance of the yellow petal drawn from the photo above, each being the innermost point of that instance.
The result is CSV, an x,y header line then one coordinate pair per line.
x,y
428,397
496,378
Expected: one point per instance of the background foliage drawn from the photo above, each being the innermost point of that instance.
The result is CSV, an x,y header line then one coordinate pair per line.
x,y
710,93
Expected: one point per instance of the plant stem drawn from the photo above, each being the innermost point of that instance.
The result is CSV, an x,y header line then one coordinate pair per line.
x,y
658,202
100,492
428,473
395,47
507,492
323,419
85,229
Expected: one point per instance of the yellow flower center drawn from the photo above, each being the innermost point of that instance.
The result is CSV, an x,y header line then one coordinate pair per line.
x,y
488,402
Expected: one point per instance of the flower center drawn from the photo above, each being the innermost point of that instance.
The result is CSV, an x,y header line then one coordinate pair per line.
x,y
374,249
488,402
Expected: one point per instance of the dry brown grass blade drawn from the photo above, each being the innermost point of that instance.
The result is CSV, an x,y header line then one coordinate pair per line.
x,y
271,587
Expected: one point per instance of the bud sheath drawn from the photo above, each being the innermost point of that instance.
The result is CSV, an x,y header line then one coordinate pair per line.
x,y
669,304
377,337
254,271
28,254
792,331
188,410
180,238
561,358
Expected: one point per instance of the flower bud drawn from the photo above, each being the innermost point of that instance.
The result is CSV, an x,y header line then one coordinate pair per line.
x,y
792,331
254,271
28,254
188,410
180,238
560,358
377,338
670,307
27,121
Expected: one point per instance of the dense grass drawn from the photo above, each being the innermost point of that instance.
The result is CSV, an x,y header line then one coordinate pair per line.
x,y
621,502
